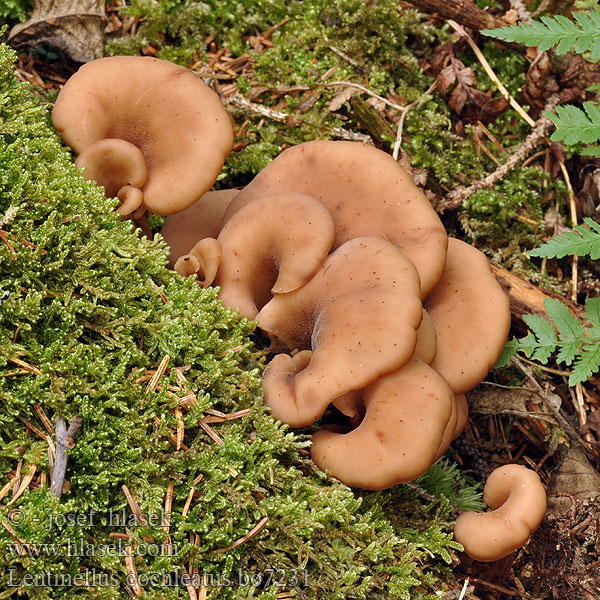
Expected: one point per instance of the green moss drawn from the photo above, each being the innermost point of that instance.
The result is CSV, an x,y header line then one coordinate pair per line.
x,y
92,307
15,10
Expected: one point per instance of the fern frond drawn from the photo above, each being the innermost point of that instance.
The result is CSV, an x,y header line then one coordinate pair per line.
x,y
577,345
586,365
574,125
583,241
557,31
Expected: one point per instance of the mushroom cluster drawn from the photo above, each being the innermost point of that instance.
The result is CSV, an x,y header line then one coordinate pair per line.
x,y
340,259
374,311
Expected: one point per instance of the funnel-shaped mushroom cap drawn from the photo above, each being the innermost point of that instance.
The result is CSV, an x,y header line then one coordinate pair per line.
x,y
406,414
367,193
518,502
272,246
165,110
471,315
359,314
204,219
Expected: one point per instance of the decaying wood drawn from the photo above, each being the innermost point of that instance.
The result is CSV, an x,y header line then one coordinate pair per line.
x,y
466,13
526,298
371,120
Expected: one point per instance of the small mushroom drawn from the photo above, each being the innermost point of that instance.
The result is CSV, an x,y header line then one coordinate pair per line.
x,y
359,315
272,246
471,315
203,219
518,502
405,417
127,114
202,260
367,193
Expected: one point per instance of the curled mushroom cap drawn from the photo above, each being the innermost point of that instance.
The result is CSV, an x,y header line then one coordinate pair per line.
x,y
359,314
471,315
367,193
518,502
203,219
202,260
162,109
405,416
272,246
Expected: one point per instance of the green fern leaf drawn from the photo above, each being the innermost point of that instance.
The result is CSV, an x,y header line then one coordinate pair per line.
x,y
574,125
586,365
545,338
555,31
592,311
509,350
590,151
592,314
583,241
570,330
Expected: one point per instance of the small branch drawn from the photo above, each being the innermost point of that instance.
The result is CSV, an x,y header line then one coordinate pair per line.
x,y
405,111
64,441
281,117
463,11
573,210
457,196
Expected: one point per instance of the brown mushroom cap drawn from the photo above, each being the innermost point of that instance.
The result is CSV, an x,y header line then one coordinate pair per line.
x,y
272,246
518,502
359,314
203,219
202,260
406,415
349,404
176,121
471,315
367,193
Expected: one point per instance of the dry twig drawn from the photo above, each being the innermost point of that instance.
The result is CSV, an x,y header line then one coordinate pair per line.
x,y
64,441
281,117
457,196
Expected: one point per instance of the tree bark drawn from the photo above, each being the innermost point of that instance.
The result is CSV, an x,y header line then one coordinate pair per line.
x,y
465,13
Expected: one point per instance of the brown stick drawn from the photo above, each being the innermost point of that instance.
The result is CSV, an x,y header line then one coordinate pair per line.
x,y
526,298
64,441
464,12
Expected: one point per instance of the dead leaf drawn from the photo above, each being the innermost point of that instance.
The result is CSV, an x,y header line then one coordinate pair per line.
x,y
487,400
575,477
445,79
339,99
74,27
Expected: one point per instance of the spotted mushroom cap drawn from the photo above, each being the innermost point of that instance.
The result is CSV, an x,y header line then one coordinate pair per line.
x,y
367,193
405,417
471,315
162,109
359,315
517,498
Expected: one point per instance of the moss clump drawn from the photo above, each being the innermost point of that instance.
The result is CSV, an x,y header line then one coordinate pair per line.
x,y
88,312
